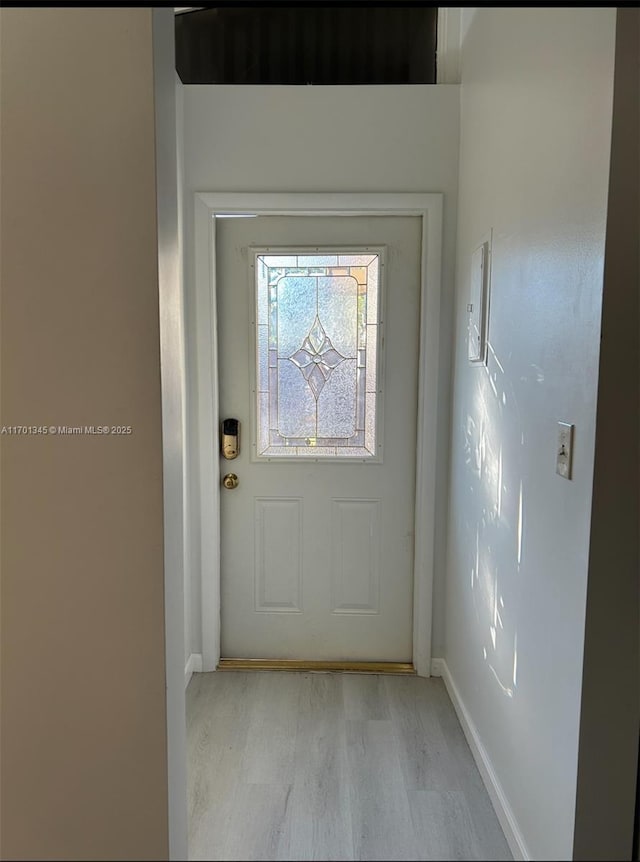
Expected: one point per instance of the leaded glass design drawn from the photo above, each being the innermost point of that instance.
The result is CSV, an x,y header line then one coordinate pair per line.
x,y
317,354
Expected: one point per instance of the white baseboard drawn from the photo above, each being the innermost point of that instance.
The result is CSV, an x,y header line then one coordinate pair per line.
x,y
494,788
437,666
193,665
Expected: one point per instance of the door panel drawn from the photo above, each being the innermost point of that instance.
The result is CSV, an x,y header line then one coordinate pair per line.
x,y
356,545
278,554
317,556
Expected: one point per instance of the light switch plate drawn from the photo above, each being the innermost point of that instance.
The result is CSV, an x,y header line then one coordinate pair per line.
x,y
564,450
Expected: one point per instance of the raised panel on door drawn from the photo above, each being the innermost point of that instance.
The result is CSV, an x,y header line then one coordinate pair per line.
x,y
355,571
278,555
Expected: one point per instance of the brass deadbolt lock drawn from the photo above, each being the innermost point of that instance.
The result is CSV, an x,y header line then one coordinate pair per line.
x,y
230,481
230,439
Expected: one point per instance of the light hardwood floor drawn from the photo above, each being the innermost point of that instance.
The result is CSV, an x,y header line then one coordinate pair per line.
x,y
332,766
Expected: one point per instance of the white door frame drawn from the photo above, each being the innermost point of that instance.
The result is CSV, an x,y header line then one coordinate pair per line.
x,y
207,206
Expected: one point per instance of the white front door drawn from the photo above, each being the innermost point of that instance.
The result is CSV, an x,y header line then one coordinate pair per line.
x,y
318,333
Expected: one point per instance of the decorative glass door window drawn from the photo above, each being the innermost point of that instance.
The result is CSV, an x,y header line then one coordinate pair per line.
x,y
317,354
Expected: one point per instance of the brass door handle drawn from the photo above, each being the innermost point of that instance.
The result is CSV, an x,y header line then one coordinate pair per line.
x,y
230,481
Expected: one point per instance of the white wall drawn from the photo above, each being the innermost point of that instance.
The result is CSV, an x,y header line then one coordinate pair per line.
x,y
536,103
187,611
323,139
173,377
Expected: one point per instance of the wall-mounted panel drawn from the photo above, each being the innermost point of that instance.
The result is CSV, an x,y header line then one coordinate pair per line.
x,y
478,307
355,539
278,555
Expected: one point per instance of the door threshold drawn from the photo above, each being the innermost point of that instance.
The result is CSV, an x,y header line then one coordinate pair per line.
x,y
380,667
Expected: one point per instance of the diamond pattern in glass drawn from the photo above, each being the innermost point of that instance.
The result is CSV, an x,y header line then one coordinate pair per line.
x,y
317,358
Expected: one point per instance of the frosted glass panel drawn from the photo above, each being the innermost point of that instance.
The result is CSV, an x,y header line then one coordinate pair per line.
x,y
317,354
296,308
296,403
336,403
338,303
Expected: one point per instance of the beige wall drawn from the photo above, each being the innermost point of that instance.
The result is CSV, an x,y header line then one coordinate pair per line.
x,y
83,677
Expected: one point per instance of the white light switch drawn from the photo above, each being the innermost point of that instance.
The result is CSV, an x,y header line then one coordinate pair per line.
x,y
564,450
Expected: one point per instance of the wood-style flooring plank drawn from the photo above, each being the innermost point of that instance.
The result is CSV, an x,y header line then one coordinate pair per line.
x,y
218,723
305,766
270,748
492,843
319,824
380,817
443,826
256,826
365,698
425,757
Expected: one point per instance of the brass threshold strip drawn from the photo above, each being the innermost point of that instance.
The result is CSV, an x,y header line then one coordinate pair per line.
x,y
388,667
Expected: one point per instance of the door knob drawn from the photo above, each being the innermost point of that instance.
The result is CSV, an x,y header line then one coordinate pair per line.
x,y
230,481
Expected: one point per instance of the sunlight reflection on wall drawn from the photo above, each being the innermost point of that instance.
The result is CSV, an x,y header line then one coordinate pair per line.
x,y
490,459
